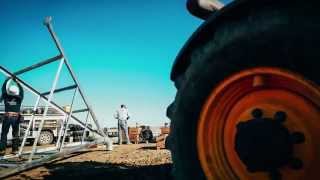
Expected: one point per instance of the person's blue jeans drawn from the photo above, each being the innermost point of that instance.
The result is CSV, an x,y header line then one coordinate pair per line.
x,y
123,126
8,121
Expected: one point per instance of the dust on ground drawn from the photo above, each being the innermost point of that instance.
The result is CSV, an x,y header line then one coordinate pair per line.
x,y
128,162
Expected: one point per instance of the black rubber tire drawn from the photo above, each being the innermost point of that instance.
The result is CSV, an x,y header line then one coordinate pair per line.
x,y
283,39
48,135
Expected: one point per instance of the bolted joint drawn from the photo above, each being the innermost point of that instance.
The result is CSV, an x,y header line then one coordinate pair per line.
x,y
257,113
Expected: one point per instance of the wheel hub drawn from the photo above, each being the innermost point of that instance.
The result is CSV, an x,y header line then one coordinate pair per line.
x,y
235,140
265,144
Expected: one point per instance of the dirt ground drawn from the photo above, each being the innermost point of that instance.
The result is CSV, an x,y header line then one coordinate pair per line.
x,y
128,162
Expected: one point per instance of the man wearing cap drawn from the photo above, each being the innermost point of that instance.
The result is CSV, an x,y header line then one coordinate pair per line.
x,y
12,95
122,115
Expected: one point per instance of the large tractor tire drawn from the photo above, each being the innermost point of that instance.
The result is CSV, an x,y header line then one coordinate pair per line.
x,y
248,105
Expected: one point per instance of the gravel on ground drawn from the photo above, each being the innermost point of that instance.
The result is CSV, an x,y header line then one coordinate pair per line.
x,y
128,162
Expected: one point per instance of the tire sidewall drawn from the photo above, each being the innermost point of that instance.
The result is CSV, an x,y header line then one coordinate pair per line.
x,y
271,46
46,133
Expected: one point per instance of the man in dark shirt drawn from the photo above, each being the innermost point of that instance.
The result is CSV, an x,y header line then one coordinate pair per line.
x,y
12,95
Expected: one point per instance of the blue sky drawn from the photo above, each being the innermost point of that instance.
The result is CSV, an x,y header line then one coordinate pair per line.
x,y
122,51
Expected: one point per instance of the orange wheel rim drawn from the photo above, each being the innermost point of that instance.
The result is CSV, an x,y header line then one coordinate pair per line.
x,y
231,102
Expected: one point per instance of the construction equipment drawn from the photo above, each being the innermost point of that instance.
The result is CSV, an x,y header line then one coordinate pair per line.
x,y
248,97
37,155
134,134
146,134
161,140
141,134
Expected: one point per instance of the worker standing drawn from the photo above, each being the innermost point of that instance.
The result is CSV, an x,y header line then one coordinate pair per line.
x,y
122,115
12,95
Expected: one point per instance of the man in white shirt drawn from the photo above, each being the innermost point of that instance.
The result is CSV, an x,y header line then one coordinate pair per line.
x,y
122,115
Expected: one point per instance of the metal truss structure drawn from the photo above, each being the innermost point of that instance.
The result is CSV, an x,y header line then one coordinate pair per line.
x,y
25,159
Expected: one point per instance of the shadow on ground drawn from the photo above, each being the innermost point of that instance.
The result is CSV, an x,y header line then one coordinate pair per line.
x,y
95,170
148,148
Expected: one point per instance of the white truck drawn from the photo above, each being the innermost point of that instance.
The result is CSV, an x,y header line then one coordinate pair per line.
x,y
50,130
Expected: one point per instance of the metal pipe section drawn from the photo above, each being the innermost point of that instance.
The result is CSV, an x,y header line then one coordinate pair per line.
x,y
61,89
68,119
80,110
48,24
42,63
47,159
29,126
60,131
45,99
85,128
54,84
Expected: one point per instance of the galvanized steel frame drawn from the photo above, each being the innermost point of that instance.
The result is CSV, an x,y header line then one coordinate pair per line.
x,y
49,102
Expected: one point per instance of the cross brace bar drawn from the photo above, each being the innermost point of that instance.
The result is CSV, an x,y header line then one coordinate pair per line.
x,y
80,110
61,89
45,160
48,24
45,98
42,63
